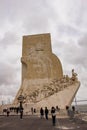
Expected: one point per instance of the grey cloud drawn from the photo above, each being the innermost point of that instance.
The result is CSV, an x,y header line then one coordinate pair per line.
x,y
15,10
83,42
40,20
9,38
76,57
36,17
7,74
68,30
8,90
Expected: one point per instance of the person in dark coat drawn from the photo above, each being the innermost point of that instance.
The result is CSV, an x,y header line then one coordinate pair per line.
x,y
8,111
41,112
53,113
32,110
21,113
46,113
73,108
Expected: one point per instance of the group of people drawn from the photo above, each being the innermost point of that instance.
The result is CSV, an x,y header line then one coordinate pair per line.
x,y
43,113
46,112
8,111
33,110
70,111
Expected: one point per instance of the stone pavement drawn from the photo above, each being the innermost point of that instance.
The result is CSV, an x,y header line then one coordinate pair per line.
x,y
35,123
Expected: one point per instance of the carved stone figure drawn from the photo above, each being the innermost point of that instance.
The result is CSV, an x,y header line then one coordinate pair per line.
x,y
74,75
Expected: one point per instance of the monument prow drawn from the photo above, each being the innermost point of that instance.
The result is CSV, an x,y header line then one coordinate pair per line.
x,y
43,82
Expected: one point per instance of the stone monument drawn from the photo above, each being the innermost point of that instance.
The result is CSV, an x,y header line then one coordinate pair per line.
x,y
43,82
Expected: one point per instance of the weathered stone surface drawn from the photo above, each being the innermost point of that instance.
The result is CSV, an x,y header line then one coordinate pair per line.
x,y
38,61
61,98
43,81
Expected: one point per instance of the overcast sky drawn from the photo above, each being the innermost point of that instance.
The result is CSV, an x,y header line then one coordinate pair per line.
x,y
66,20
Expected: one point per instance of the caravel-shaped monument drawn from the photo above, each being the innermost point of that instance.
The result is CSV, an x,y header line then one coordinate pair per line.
x,y
43,82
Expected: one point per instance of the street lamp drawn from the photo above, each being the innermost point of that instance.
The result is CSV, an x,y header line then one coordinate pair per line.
x,y
20,99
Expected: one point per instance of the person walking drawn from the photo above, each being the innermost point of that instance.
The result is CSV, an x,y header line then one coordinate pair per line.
x,y
53,113
8,112
21,113
32,110
41,112
46,113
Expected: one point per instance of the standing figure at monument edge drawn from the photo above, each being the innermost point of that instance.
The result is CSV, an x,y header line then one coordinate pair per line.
x,y
42,73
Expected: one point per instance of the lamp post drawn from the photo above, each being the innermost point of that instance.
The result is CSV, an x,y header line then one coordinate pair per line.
x,y
20,99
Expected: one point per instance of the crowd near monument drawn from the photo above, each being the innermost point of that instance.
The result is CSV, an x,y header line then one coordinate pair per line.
x,y
43,82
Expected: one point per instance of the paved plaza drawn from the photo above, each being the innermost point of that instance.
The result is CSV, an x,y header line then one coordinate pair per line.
x,y
35,123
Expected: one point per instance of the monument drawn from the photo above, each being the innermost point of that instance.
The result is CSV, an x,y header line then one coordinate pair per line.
x,y
43,82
